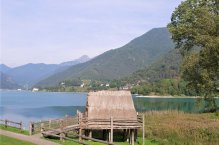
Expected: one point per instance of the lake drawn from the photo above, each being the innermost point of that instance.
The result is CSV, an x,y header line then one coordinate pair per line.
x,y
28,106
34,106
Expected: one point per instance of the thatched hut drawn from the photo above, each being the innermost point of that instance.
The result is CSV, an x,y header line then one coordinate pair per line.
x,y
110,110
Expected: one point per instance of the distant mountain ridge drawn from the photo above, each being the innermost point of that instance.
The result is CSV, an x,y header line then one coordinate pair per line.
x,y
82,59
4,68
29,74
7,82
121,62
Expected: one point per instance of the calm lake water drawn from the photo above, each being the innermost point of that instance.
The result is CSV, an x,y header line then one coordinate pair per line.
x,y
28,106
192,105
35,106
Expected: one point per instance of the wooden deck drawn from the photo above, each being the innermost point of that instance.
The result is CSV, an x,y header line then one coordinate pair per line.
x,y
61,127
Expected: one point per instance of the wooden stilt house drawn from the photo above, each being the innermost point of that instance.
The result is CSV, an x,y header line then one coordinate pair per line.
x,y
109,111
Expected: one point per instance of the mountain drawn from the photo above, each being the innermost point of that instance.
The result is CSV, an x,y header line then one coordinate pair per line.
x,y
4,68
166,67
29,74
7,82
121,62
82,59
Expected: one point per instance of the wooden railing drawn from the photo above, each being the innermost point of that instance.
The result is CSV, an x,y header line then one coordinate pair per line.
x,y
36,127
60,127
10,123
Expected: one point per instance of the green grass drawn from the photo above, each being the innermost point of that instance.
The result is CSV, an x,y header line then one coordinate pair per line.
x,y
4,140
172,127
68,142
14,129
139,142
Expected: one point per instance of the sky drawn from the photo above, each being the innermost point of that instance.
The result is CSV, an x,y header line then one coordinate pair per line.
x,y
55,31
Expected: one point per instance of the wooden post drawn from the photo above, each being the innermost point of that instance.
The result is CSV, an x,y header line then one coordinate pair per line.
x,y
41,128
62,135
6,123
111,129
62,131
80,128
90,133
130,136
143,129
109,136
50,122
21,125
30,128
133,137
127,135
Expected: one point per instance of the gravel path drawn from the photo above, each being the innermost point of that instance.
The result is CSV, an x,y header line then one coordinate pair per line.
x,y
33,139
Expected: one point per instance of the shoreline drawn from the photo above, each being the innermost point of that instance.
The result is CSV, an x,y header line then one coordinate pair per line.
x,y
134,95
141,96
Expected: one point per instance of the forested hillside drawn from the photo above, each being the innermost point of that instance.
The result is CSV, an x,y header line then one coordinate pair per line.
x,y
166,67
121,62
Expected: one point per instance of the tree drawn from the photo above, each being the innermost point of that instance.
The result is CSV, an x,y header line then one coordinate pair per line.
x,y
195,30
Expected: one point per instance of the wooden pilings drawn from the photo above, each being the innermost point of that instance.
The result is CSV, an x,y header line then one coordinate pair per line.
x,y
111,129
132,137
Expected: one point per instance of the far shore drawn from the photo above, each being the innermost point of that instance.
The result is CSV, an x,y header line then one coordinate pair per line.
x,y
136,95
153,96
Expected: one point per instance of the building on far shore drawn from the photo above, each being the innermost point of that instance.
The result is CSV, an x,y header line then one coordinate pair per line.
x,y
35,89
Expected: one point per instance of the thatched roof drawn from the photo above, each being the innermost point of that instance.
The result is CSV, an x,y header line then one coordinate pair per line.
x,y
106,104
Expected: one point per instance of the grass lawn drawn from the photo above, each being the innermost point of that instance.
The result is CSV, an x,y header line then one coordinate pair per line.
x,y
139,142
14,129
4,140
168,127
173,127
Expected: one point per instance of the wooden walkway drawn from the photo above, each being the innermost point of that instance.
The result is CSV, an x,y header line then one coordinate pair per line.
x,y
59,131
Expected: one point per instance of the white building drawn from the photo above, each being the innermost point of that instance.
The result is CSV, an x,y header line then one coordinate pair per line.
x,y
35,89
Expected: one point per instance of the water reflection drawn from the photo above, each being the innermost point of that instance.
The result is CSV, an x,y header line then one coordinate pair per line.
x,y
181,104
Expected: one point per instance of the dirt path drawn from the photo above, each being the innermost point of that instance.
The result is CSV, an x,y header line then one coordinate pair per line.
x,y
33,139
